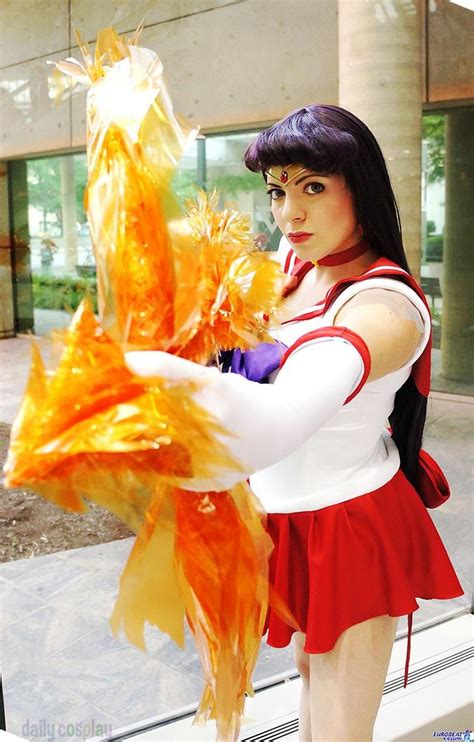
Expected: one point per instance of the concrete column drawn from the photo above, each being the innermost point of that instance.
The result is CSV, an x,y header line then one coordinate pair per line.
x,y
68,203
380,80
457,336
7,322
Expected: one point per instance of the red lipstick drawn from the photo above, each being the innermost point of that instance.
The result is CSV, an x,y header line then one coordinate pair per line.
x,y
296,237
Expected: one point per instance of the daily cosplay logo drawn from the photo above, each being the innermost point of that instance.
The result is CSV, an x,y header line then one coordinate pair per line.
x,y
42,728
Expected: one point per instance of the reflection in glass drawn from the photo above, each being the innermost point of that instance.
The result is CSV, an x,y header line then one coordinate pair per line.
x,y
216,162
240,188
59,244
21,248
448,231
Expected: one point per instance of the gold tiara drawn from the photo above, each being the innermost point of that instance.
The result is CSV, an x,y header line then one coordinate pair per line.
x,y
285,175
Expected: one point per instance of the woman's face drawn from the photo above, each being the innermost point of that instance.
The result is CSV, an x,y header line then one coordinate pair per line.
x,y
315,212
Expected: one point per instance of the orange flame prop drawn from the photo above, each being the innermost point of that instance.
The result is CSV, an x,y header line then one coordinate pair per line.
x,y
189,285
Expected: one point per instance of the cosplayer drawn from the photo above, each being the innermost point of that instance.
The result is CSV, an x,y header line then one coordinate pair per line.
x,y
329,421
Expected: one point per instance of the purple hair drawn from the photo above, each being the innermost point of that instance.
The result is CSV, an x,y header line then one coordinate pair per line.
x,y
331,140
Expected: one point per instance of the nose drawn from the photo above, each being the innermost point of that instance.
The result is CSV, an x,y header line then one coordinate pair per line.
x,y
292,211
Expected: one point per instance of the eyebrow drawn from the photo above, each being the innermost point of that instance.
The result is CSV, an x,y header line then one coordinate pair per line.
x,y
300,180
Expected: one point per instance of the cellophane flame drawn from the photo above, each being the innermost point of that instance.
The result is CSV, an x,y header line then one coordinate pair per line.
x,y
94,429
190,284
233,283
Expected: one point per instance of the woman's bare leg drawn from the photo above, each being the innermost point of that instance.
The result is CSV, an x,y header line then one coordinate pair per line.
x,y
346,684
302,665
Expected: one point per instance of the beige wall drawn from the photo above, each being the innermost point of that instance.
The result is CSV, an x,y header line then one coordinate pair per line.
x,y
227,63
450,68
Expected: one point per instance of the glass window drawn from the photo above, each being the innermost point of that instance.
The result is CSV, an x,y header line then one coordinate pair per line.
x,y
238,187
447,280
447,234
54,261
186,180
53,255
216,162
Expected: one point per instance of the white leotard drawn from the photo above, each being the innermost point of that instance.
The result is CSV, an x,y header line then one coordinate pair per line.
x,y
353,453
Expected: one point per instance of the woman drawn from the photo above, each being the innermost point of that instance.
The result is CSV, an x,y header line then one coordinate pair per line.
x,y
354,544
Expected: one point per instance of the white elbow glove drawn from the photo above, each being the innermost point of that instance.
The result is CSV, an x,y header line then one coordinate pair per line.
x,y
268,421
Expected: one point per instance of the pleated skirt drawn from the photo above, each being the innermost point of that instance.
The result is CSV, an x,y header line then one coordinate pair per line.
x,y
369,556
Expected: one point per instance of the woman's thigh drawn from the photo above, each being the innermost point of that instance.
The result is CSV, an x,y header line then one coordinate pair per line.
x,y
346,683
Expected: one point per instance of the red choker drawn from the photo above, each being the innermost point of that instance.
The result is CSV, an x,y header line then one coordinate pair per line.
x,y
345,256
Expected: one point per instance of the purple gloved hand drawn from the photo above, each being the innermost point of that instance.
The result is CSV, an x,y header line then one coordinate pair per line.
x,y
256,364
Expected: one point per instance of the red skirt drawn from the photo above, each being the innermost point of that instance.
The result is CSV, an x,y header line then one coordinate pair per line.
x,y
369,556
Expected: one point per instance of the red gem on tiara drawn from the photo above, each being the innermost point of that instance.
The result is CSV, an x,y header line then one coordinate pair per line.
x,y
284,176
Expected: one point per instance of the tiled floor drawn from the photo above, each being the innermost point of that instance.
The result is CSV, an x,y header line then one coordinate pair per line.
x,y
438,696
60,662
